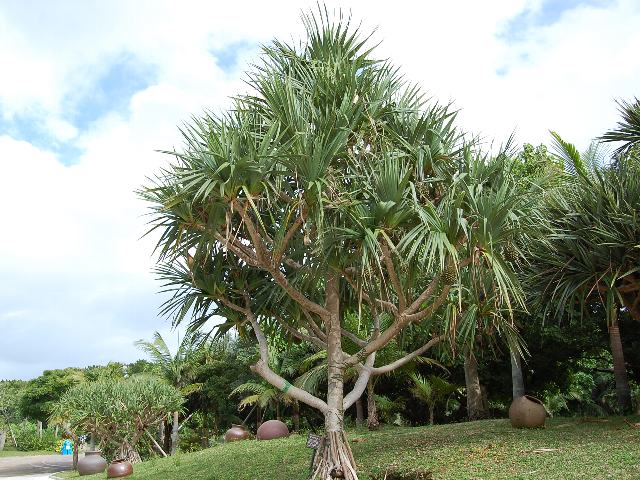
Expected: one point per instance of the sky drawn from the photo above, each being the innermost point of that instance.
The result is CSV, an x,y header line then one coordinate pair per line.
x,y
91,90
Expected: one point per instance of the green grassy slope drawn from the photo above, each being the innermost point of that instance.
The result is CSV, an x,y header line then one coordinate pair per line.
x,y
490,449
17,453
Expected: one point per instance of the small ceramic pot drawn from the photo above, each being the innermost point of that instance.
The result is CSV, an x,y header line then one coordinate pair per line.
x,y
119,468
272,429
235,433
527,412
91,463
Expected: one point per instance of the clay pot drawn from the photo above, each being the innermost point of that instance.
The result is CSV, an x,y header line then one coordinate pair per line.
x,y
91,463
119,468
272,429
236,432
527,412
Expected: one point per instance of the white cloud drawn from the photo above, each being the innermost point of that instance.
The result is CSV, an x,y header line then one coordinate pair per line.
x,y
74,276
61,129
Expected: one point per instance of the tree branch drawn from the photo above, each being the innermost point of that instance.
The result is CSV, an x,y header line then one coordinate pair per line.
x,y
240,252
261,367
314,326
354,338
156,444
413,308
230,304
393,275
301,336
424,295
361,382
384,304
279,252
407,358
416,317
256,238
260,262
395,328
296,295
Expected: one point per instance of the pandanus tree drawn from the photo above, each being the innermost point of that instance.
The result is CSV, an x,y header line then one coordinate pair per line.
x,y
593,260
177,369
332,180
118,412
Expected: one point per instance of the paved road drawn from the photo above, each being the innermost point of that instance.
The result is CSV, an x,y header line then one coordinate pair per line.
x,y
40,465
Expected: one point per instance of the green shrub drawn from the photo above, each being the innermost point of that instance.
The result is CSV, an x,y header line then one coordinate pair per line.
x,y
118,412
29,440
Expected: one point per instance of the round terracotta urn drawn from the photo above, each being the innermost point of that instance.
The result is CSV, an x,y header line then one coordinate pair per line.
x,y
236,432
91,463
119,468
527,412
272,429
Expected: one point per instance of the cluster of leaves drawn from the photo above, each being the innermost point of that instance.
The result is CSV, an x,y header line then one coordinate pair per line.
x,y
11,392
43,392
117,412
593,255
30,439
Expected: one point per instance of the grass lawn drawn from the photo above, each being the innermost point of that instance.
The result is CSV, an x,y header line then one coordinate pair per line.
x,y
568,448
16,453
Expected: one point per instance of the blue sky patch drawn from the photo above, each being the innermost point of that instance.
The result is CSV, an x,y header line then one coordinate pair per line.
x,y
112,91
549,13
227,57
31,128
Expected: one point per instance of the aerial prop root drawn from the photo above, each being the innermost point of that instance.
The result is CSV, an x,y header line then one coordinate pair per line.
x,y
334,459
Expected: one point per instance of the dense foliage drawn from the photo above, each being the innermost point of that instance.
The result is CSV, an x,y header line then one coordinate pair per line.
x,y
29,439
43,392
118,412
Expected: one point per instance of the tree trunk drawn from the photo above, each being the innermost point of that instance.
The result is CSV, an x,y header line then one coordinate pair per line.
x,y
258,417
372,410
204,437
334,458
13,437
160,435
278,411
3,438
174,433
619,369
431,409
167,437
295,417
359,413
517,382
130,454
476,408
76,452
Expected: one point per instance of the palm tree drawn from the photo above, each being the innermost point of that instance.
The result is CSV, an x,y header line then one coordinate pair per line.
x,y
264,396
177,370
431,390
333,183
628,129
593,259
